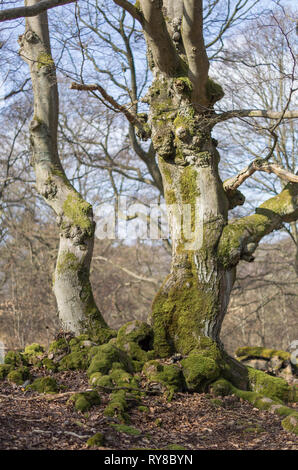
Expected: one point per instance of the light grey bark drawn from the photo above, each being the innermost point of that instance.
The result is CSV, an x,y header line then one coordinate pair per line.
x,y
76,306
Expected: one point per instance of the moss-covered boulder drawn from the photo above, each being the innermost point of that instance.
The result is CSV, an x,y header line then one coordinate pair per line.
x,y
76,360
272,387
200,369
49,364
117,406
59,346
44,385
96,441
85,400
34,354
4,370
105,357
169,376
15,359
19,375
290,423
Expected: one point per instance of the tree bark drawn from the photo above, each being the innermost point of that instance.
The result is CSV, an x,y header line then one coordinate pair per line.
x,y
77,309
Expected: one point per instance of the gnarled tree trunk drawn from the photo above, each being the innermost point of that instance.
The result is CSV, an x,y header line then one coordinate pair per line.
x,y
77,309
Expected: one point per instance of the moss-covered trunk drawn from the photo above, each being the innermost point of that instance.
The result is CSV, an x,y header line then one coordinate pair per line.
x,y
190,306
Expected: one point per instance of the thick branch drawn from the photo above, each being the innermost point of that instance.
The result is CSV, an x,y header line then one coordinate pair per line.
x,y
240,238
258,165
193,40
32,10
158,39
255,113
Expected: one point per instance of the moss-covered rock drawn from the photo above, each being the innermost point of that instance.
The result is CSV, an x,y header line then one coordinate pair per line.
x,y
48,364
175,447
96,441
199,370
33,354
85,400
221,387
101,381
15,359
131,431
258,352
44,385
170,376
106,355
76,360
59,346
117,406
272,387
136,338
4,370
19,375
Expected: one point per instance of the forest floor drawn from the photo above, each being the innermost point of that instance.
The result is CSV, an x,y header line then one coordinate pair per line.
x,y
194,421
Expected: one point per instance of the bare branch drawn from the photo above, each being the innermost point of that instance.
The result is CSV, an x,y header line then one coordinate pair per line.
x,y
32,10
132,118
256,113
258,164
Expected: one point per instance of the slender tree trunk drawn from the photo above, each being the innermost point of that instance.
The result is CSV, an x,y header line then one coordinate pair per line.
x,y
191,304
76,306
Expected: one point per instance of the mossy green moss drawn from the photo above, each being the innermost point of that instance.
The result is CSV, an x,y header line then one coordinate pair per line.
x,y
97,440
106,355
221,387
290,423
143,409
136,338
15,359
44,385
33,354
126,429
101,381
4,370
48,364
67,261
19,375
175,447
117,406
59,346
199,369
179,318
85,400
44,60
251,352
76,360
79,212
170,376
272,387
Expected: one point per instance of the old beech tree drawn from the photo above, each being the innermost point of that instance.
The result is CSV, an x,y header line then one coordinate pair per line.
x,y
189,308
